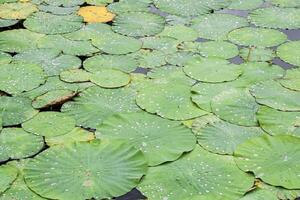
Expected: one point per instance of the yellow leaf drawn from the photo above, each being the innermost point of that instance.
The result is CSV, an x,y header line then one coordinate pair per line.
x,y
94,14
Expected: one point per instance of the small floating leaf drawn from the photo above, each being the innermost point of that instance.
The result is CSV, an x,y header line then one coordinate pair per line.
x,y
138,24
16,10
15,143
95,14
18,77
48,23
49,124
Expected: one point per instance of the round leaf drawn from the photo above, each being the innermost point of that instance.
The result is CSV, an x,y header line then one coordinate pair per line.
x,y
150,134
274,159
49,124
103,170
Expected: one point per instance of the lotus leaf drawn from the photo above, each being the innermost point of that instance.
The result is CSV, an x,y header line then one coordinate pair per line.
x,y
138,24
236,106
18,77
217,26
169,99
277,122
16,10
212,70
259,37
272,159
15,143
197,173
110,78
121,62
95,14
48,23
95,104
272,94
49,124
288,52
95,164
18,40
274,17
149,133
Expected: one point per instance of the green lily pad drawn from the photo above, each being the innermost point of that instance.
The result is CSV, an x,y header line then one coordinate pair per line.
x,y
18,40
260,194
163,43
15,110
17,10
5,58
128,6
222,137
236,106
54,83
190,7
245,4
8,22
57,10
8,176
178,20
95,104
260,37
257,54
18,77
121,62
272,94
169,72
211,70
197,173
217,26
115,161
49,124
288,52
291,79
285,3
19,191
168,99
179,58
51,60
274,17
52,98
71,47
116,44
110,78
254,72
218,49
76,135
180,32
98,2
280,192
138,24
277,122
271,158
203,93
89,31
16,143
150,59
64,3
151,134
48,23
75,76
